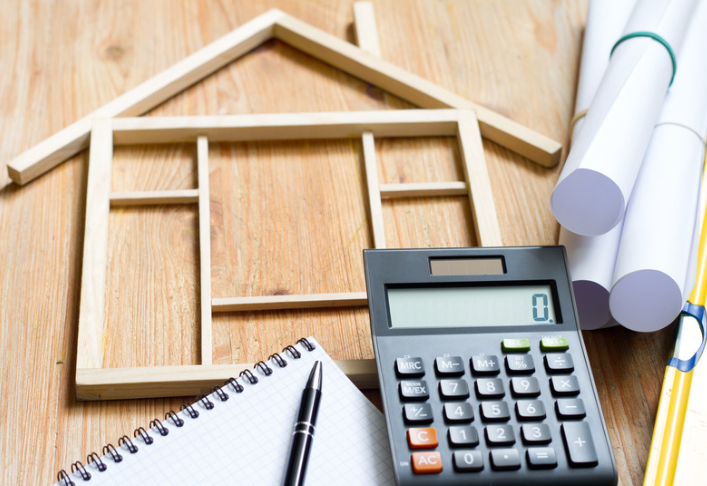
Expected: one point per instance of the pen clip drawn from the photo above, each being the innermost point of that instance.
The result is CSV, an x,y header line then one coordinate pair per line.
x,y
698,313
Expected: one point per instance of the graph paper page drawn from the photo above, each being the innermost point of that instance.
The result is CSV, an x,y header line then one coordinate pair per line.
x,y
245,439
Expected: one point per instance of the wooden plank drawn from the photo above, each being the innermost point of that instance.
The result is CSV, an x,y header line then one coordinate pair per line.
x,y
483,207
415,89
308,301
374,195
150,198
365,28
89,353
188,380
285,126
424,189
202,149
68,142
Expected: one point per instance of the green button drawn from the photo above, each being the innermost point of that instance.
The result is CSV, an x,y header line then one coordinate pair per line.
x,y
554,344
515,345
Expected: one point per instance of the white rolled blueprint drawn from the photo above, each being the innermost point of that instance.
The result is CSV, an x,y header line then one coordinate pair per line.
x,y
656,264
592,258
596,182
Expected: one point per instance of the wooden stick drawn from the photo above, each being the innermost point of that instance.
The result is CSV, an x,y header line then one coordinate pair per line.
x,y
202,151
150,198
424,189
68,142
366,29
415,89
93,274
483,208
186,380
285,126
306,301
374,195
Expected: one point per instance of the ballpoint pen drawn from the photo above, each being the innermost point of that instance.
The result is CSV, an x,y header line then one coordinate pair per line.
x,y
304,428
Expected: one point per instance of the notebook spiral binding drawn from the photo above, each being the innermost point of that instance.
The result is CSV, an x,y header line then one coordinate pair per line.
x,y
156,425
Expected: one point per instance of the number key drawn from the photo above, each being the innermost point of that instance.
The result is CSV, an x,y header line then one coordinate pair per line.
x,y
453,389
468,461
525,387
489,388
500,435
463,436
458,412
536,434
494,411
530,410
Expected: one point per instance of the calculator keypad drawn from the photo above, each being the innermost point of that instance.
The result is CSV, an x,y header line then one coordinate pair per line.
x,y
512,429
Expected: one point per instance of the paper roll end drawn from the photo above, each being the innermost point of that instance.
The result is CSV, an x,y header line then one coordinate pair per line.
x,y
588,203
592,304
645,300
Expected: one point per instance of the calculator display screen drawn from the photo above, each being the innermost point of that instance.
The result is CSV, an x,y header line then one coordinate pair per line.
x,y
432,307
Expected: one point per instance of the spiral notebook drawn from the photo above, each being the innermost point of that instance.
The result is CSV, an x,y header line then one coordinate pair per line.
x,y
244,440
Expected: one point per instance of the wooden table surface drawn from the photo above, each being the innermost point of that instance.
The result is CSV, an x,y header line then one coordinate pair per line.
x,y
286,217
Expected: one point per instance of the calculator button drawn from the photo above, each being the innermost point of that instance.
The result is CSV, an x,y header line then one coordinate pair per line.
x,y
458,412
505,459
489,388
515,345
530,410
413,390
500,435
570,408
536,434
418,414
495,411
409,367
541,458
426,462
424,438
520,364
579,444
554,344
450,366
525,387
453,389
559,363
564,385
468,461
484,365
463,436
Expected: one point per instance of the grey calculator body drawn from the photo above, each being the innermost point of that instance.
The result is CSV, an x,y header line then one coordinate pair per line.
x,y
483,372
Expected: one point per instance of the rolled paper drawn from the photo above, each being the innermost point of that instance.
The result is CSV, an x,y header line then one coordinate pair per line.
x,y
596,182
592,258
656,264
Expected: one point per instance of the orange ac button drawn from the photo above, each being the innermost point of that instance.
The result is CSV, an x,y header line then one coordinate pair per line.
x,y
426,462
423,438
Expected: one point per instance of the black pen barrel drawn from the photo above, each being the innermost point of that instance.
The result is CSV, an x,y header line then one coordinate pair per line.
x,y
302,438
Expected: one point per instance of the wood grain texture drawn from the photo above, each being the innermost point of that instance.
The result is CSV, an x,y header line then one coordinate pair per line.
x,y
66,59
151,198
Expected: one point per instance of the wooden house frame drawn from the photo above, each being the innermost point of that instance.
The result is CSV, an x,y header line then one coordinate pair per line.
x,y
95,382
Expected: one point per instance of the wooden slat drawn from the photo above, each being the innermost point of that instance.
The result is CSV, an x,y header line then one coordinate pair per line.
x,y
308,301
93,281
202,150
286,126
374,195
415,89
365,28
188,380
423,189
150,198
483,207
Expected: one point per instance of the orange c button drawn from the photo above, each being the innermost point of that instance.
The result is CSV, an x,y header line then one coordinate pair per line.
x,y
423,438
426,462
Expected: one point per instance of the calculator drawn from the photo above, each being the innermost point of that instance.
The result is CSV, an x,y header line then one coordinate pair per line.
x,y
483,372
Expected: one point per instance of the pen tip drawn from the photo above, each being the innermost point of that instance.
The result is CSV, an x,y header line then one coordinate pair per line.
x,y
315,377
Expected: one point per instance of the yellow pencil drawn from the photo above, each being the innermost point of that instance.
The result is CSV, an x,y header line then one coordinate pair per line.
x,y
689,345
